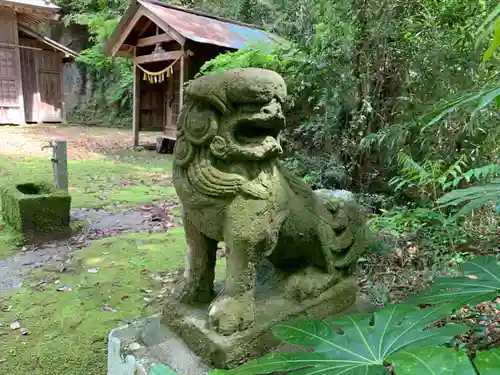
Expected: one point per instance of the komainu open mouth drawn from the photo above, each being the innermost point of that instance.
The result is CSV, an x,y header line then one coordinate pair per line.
x,y
256,131
258,123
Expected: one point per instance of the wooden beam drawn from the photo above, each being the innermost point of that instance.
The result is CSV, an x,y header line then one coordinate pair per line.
x,y
124,54
143,30
19,46
164,26
64,117
162,56
181,81
150,40
136,105
123,36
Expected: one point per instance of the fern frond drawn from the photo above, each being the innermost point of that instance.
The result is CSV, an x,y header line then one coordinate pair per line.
x,y
411,168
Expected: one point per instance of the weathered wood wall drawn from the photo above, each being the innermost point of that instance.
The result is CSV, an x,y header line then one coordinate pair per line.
x,y
49,70
11,99
30,84
41,79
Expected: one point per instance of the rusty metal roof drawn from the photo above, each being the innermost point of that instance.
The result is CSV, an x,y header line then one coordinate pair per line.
x,y
208,29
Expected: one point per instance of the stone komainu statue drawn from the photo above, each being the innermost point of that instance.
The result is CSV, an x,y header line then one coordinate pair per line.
x,y
233,189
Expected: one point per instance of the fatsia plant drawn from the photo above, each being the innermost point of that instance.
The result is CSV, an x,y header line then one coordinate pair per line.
x,y
480,281
488,363
355,344
432,360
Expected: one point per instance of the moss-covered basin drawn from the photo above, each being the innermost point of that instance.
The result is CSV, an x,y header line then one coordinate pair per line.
x,y
35,207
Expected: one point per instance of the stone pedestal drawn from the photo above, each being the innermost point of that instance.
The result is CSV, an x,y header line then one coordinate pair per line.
x,y
272,307
134,349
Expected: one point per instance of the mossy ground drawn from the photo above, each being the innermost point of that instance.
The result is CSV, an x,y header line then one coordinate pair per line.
x,y
68,330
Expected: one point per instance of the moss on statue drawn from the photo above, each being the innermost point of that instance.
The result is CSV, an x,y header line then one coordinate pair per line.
x,y
233,189
35,207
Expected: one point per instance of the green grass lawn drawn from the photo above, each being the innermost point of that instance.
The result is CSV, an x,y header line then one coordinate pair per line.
x,y
138,177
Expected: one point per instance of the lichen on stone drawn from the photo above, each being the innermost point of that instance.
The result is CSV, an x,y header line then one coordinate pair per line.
x,y
35,207
233,189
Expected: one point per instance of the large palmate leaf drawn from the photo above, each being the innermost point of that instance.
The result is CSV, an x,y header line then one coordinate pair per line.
x,y
480,282
432,360
471,198
488,363
356,344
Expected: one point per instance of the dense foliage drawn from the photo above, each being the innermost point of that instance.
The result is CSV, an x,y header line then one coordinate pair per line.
x,y
367,80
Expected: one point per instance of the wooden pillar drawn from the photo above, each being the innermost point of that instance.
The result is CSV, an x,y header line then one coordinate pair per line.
x,y
19,82
181,81
64,118
136,104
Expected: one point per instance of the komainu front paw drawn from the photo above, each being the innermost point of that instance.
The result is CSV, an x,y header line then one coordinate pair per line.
x,y
193,293
309,283
230,314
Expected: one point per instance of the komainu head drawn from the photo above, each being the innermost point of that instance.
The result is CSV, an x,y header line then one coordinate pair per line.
x,y
233,116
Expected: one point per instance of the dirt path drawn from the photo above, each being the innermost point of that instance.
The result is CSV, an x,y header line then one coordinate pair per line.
x,y
99,224
85,142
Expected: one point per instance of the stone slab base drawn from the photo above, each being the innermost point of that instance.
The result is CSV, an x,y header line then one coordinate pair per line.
x,y
190,323
165,145
134,348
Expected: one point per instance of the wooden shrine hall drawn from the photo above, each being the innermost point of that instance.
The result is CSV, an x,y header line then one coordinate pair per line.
x,y
168,46
31,65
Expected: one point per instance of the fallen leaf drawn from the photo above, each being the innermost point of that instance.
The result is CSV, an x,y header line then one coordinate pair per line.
x,y
65,289
108,308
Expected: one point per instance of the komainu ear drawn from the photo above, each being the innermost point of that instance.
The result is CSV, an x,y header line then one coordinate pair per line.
x,y
200,123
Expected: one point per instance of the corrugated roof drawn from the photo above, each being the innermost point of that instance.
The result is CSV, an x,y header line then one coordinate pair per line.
x,y
206,29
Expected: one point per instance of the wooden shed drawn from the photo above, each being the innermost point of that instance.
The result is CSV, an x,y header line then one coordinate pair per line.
x,y
31,79
168,45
